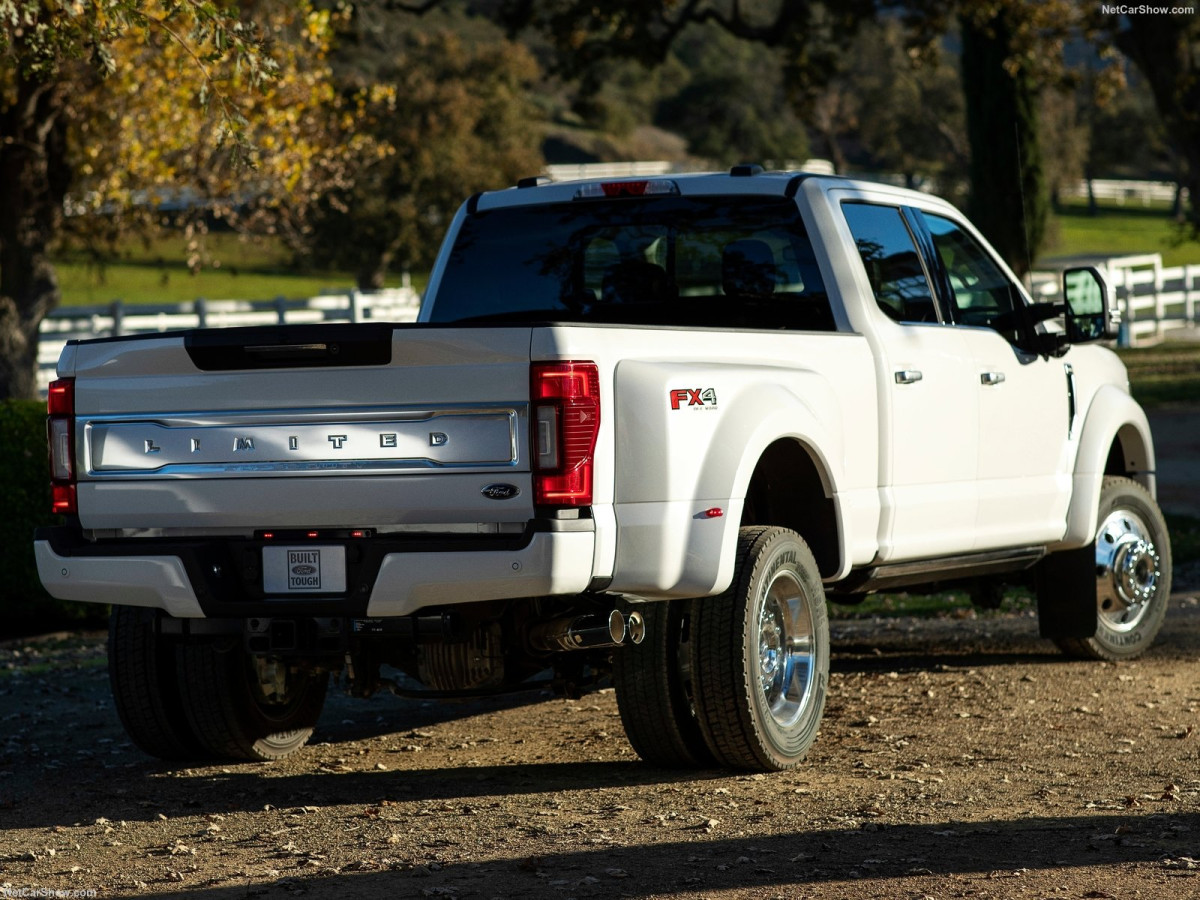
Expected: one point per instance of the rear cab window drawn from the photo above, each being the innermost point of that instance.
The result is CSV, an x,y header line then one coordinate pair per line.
x,y
893,264
716,261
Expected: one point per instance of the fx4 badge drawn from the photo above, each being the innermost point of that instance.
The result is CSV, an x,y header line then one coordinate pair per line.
x,y
700,398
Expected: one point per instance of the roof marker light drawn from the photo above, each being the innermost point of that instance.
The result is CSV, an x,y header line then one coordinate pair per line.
x,y
602,189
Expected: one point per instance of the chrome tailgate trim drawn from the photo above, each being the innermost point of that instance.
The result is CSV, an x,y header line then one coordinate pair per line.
x,y
309,442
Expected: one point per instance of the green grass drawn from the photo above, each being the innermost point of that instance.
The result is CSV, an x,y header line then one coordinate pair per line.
x,y
157,272
946,605
1185,538
1167,373
1118,231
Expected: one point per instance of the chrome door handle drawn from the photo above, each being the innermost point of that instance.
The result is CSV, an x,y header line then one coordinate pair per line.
x,y
908,376
990,378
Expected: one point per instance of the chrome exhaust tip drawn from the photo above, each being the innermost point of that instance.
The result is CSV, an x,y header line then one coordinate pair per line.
x,y
589,632
635,628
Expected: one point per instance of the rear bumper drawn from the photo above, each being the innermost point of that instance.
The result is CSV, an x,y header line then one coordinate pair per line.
x,y
158,581
386,577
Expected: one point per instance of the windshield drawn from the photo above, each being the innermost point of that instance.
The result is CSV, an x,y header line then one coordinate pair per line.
x,y
712,261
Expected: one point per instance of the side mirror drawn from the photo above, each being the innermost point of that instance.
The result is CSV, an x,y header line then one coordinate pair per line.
x,y
1089,313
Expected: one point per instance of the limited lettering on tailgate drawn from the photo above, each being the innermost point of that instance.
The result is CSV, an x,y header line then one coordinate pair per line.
x,y
256,444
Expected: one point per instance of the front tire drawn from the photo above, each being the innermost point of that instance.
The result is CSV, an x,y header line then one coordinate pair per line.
x,y
760,662
1130,580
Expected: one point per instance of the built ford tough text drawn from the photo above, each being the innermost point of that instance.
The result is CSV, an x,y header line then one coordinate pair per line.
x,y
641,428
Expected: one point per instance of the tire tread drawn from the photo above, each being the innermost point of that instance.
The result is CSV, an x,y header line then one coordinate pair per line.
x,y
723,687
142,677
1092,648
651,697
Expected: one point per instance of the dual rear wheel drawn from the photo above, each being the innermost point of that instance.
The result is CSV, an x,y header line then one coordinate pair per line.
x,y
202,698
739,679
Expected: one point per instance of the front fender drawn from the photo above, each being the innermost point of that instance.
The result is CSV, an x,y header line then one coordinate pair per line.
x,y
1113,415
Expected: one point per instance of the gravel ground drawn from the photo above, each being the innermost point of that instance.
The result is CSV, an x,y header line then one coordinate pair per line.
x,y
958,758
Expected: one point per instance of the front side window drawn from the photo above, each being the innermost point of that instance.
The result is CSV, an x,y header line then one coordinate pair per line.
x,y
706,261
981,294
893,264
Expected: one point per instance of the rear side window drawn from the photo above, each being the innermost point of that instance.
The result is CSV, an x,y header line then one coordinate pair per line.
x,y
893,265
731,262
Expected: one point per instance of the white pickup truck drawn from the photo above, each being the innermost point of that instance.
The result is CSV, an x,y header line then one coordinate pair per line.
x,y
644,427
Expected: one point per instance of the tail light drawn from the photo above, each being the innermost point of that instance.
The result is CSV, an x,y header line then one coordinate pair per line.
x,y
566,421
60,434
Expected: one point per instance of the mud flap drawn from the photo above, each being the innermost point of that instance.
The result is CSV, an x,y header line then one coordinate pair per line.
x,y
1066,592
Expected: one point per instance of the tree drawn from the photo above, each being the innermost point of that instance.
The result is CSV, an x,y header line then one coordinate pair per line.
x,y
733,107
1166,48
896,110
1009,199
440,117
1007,37
60,136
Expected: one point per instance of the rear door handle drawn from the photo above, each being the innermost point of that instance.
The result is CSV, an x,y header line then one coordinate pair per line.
x,y
908,376
991,378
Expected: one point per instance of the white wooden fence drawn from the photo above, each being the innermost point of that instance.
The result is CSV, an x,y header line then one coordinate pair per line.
x,y
1154,300
1130,191
116,318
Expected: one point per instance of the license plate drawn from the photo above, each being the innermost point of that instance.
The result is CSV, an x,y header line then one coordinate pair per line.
x,y
304,570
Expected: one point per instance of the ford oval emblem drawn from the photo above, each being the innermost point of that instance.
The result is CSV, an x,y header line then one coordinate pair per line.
x,y
303,569
500,491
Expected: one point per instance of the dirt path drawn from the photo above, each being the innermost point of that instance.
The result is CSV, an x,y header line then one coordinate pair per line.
x,y
959,758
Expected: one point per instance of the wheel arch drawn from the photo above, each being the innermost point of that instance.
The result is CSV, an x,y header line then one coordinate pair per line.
x,y
1115,440
791,486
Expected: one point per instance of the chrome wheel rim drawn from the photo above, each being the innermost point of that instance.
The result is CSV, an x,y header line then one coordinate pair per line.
x,y
1128,570
786,663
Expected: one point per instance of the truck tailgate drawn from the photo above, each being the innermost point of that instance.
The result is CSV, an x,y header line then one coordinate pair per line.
x,y
369,426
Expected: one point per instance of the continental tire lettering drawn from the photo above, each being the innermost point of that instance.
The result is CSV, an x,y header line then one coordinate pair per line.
x,y
1127,640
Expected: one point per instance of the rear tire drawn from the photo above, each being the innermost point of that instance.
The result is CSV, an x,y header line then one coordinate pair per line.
x,y
1125,572
760,654
145,686
650,679
241,707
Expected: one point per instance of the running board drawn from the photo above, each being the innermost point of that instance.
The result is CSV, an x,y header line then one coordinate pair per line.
x,y
942,569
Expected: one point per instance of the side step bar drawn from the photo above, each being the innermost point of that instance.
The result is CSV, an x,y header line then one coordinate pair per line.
x,y
943,569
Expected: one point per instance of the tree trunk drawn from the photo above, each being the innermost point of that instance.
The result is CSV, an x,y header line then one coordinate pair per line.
x,y
21,312
371,277
34,176
1164,49
1009,198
